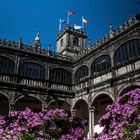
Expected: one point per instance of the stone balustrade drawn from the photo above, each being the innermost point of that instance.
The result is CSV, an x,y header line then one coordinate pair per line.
x,y
31,82
60,87
7,78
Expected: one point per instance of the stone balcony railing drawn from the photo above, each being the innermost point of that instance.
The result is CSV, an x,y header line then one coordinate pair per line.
x,y
26,82
127,68
7,78
12,79
61,87
34,83
80,86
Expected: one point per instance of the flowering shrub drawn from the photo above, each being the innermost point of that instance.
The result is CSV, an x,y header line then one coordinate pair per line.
x,y
45,125
122,120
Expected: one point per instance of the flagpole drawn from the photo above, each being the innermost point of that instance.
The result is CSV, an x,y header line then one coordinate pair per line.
x,y
82,23
68,18
59,25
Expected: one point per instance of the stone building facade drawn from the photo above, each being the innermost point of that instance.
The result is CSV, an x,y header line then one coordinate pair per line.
x,y
81,80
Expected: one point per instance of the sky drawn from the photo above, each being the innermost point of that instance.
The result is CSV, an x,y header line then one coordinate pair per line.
x,y
24,18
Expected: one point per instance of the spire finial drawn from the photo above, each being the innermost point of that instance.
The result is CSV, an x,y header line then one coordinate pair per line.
x,y
89,41
20,39
37,43
110,28
49,47
20,42
37,36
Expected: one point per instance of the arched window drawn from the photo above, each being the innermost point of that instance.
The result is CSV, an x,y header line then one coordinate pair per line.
x,y
61,43
127,51
75,41
100,65
32,70
60,75
6,65
81,74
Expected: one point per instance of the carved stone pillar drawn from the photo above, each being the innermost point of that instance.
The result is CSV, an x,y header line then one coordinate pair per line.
x,y
44,104
11,108
11,102
45,101
91,122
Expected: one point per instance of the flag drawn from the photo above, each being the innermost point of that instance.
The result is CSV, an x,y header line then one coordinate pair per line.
x,y
77,27
62,21
71,13
84,21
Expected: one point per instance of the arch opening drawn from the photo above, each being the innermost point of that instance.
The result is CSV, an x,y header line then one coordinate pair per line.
x,y
29,102
100,103
127,51
4,105
7,66
81,74
81,108
129,88
101,64
32,70
60,75
59,104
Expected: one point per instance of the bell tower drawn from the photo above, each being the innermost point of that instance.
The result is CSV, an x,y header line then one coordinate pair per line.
x,y
70,41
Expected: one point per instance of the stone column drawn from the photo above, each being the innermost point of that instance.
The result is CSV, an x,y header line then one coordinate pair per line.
x,y
45,100
73,112
44,104
91,122
11,108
